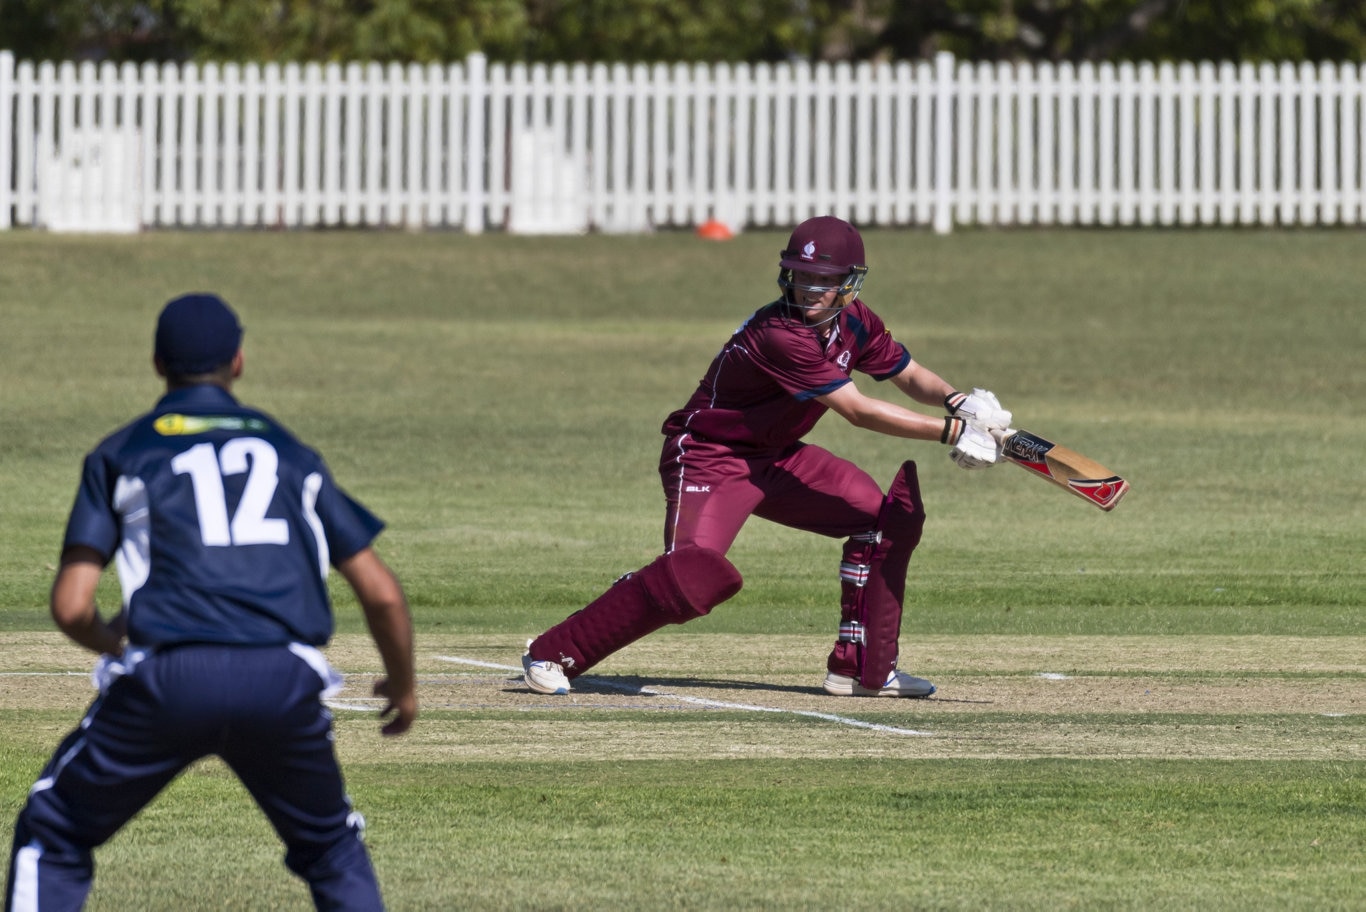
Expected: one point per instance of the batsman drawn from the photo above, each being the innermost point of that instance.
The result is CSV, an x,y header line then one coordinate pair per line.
x,y
735,449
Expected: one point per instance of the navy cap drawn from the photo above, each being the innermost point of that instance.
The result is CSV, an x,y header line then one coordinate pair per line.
x,y
197,333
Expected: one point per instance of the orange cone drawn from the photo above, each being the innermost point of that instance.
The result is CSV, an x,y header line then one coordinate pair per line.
x,y
712,230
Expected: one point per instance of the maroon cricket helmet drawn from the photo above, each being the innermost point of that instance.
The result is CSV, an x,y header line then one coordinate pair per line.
x,y
825,245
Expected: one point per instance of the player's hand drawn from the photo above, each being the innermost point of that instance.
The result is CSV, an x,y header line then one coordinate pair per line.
x,y
402,707
980,408
975,449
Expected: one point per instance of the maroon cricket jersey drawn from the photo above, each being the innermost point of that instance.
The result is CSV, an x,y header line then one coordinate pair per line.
x,y
760,391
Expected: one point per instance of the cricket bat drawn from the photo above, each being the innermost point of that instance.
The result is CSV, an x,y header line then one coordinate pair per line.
x,y
1067,468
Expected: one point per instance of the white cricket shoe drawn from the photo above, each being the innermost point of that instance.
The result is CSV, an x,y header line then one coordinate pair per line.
x,y
899,684
544,676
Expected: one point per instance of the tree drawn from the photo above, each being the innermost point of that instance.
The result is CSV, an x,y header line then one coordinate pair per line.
x,y
1118,29
419,31
684,30
668,30
75,29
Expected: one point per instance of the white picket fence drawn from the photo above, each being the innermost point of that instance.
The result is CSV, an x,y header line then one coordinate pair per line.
x,y
568,148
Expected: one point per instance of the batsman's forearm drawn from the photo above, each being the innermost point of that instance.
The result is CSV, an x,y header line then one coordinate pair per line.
x,y
895,421
880,415
923,385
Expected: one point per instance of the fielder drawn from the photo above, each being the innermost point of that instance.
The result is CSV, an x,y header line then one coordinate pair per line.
x,y
735,450
222,526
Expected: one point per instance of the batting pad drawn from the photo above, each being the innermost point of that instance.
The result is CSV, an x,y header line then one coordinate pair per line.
x,y
874,585
672,589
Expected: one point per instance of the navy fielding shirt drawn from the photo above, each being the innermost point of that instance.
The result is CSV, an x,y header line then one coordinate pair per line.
x,y
222,523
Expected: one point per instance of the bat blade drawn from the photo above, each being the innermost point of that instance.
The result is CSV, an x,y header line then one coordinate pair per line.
x,y
1064,467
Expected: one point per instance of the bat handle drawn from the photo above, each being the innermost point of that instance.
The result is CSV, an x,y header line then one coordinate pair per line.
x,y
1002,434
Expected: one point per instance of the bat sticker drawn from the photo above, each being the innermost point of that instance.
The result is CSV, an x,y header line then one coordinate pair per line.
x,y
1103,492
1067,468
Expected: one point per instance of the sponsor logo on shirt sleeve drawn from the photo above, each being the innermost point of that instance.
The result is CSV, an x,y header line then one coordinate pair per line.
x,y
175,425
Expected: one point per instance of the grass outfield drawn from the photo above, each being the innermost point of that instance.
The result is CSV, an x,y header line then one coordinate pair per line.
x,y
1161,707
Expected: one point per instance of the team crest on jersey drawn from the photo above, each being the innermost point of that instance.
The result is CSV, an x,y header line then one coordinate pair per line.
x,y
175,425
843,360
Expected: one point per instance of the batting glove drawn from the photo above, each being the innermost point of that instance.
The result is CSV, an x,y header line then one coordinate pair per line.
x,y
980,408
972,448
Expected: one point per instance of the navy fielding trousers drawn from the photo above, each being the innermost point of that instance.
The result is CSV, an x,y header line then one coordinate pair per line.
x,y
258,708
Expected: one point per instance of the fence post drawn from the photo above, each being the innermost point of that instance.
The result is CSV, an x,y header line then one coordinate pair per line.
x,y
476,85
7,106
942,131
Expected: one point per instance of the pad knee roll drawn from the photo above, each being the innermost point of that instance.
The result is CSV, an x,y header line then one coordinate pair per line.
x,y
689,582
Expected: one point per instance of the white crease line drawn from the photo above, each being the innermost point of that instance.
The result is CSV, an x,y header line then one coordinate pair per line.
x,y
715,704
479,664
44,674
